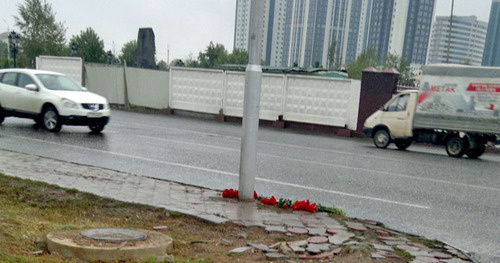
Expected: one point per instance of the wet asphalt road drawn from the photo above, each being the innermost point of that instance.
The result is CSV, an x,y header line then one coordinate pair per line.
x,y
420,191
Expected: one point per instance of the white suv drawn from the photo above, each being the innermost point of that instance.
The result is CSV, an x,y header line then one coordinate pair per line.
x,y
51,99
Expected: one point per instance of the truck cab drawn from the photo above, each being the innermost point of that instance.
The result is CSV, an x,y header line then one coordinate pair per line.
x,y
393,122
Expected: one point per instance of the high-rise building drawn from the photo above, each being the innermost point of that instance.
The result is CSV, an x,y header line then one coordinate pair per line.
x,y
312,33
302,33
242,26
491,56
401,27
468,36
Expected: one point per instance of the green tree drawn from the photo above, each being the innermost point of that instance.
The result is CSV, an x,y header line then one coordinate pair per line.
x,y
41,34
162,65
238,56
128,53
406,75
89,46
213,56
367,58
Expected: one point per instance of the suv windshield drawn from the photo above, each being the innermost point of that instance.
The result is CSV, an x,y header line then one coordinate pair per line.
x,y
59,82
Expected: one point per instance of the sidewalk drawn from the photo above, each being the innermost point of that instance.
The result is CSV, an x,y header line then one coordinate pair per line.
x,y
209,205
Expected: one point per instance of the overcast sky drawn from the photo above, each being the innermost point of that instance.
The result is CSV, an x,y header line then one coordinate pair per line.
x,y
182,26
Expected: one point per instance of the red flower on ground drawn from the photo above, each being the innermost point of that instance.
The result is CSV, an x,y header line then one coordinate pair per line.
x,y
269,201
230,193
304,205
255,196
285,206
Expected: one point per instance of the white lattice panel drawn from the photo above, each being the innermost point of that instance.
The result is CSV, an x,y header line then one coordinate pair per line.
x,y
234,94
69,66
271,96
317,100
196,90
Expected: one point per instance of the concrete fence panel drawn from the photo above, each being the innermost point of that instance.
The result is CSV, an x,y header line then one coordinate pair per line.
x,y
147,87
198,90
317,100
105,80
271,95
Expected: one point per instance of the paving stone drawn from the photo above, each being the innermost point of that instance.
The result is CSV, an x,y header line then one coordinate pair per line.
x,y
275,256
297,230
333,231
427,259
240,250
242,235
336,226
260,247
356,226
317,248
276,245
394,243
298,246
387,254
420,253
285,249
317,240
377,255
226,242
279,229
382,233
316,225
213,219
407,248
160,227
441,255
340,238
419,245
317,231
389,238
318,256
382,247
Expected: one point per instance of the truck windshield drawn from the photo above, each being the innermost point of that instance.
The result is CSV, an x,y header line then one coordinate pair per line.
x,y
59,82
398,103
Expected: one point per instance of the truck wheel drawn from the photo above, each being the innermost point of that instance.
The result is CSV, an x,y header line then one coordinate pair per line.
x,y
2,116
476,152
381,139
403,144
456,147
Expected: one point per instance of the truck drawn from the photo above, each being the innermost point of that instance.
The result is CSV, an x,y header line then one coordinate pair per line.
x,y
456,106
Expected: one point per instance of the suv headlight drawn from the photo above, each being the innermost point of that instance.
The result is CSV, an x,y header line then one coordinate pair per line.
x,y
69,103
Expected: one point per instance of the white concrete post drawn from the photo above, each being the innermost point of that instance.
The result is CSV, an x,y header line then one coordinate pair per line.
x,y
251,103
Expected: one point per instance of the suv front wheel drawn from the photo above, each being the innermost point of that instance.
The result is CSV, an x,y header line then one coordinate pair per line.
x,y
51,120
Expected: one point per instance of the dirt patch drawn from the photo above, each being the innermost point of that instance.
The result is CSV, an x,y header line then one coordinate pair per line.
x,y
30,210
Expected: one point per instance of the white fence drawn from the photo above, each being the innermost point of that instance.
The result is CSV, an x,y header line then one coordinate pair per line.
x,y
316,100
306,99
70,66
148,88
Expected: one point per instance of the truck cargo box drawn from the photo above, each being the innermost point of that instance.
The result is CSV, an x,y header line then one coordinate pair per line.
x,y
459,98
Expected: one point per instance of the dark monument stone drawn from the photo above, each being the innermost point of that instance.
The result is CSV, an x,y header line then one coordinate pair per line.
x,y
145,52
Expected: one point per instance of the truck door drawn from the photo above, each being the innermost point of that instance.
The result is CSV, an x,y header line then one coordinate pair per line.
x,y
397,116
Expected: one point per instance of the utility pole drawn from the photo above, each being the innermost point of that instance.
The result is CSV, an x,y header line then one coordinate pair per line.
x,y
449,34
251,103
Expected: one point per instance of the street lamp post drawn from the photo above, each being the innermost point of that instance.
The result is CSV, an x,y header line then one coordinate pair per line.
x,y
73,49
14,39
110,57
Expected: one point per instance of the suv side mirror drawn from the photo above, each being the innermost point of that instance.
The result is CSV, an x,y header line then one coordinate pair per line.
x,y
31,87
